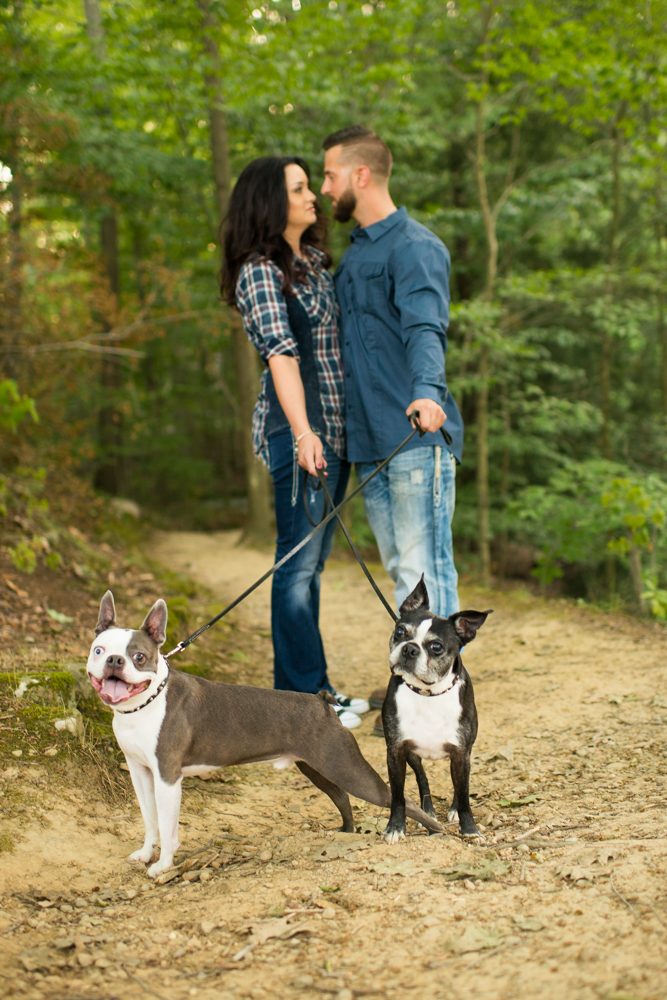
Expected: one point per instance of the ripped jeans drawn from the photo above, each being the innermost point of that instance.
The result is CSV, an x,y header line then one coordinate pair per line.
x,y
410,506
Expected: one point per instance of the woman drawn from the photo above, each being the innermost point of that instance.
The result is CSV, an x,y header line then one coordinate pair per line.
x,y
276,274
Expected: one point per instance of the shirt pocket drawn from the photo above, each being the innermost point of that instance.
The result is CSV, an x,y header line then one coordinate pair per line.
x,y
371,288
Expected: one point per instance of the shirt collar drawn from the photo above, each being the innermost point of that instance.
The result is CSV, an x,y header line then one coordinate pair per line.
x,y
378,229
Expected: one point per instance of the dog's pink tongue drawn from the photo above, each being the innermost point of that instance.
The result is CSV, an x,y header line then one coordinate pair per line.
x,y
115,690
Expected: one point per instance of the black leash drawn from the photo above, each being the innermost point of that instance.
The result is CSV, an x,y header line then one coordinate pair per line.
x,y
335,512
328,502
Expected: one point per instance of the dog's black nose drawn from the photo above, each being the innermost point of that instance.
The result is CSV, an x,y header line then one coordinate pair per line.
x,y
410,651
115,661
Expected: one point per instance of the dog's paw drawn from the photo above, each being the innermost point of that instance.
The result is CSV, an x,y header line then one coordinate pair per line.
x,y
453,816
393,836
159,867
143,857
476,838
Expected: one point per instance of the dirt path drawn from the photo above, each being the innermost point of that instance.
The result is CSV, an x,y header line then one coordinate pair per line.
x,y
568,898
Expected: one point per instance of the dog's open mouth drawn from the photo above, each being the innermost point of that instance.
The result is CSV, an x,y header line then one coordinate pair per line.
x,y
113,690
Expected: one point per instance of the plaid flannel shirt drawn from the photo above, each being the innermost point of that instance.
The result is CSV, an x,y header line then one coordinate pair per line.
x,y
262,305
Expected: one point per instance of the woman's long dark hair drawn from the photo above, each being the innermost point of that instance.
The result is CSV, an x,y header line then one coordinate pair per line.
x,y
256,220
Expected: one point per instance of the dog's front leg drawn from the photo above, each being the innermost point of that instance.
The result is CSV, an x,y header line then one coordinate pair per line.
x,y
415,763
142,779
168,801
396,760
460,771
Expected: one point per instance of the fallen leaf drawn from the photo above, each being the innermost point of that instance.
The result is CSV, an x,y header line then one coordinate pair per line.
x,y
514,803
274,928
529,923
59,616
481,871
476,939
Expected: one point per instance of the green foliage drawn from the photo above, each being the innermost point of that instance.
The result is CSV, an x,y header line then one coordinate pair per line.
x,y
24,557
655,595
571,100
14,407
587,512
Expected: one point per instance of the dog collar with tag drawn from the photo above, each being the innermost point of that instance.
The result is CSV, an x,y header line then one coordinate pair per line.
x,y
427,693
161,687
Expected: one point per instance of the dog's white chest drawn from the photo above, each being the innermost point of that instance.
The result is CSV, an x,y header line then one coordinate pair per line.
x,y
137,732
429,723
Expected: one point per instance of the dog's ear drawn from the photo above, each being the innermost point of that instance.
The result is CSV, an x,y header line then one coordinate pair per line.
x,y
416,600
466,623
107,617
155,622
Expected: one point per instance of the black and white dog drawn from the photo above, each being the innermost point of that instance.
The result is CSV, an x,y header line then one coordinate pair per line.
x,y
170,724
429,709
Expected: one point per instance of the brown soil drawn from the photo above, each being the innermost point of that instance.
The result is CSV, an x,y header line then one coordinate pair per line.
x,y
567,898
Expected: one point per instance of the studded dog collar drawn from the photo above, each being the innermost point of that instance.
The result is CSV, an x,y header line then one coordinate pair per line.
x,y
161,687
426,692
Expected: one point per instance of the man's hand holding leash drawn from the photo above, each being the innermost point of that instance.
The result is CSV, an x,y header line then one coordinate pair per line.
x,y
431,414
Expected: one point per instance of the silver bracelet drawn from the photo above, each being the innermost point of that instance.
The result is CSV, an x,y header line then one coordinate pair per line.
x,y
309,431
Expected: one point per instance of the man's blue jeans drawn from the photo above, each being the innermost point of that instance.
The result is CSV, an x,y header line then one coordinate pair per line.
x,y
410,505
299,663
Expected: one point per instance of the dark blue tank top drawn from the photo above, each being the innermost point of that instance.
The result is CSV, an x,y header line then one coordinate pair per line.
x,y
301,328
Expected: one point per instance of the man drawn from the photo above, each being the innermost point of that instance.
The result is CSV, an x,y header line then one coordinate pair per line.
x,y
393,290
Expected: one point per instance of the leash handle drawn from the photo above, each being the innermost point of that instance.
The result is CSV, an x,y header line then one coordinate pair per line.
x,y
316,488
414,420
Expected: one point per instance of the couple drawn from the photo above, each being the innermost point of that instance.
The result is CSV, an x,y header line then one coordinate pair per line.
x,y
347,359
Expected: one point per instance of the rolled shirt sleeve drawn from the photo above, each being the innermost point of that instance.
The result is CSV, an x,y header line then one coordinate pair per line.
x,y
261,302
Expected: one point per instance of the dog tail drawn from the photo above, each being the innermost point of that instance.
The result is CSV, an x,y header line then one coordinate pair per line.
x,y
354,775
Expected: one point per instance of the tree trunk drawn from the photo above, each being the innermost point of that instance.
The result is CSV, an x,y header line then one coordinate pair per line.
x,y
258,526
662,325
482,418
483,511
14,284
504,482
636,575
606,340
108,475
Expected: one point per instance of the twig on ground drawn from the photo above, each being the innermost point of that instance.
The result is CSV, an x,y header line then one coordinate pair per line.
x,y
622,898
527,834
486,954
145,986
193,854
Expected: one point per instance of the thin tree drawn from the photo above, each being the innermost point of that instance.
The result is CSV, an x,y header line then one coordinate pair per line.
x,y
258,525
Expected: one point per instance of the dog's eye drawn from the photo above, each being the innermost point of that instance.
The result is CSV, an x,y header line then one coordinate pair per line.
x,y
400,631
139,657
98,651
437,648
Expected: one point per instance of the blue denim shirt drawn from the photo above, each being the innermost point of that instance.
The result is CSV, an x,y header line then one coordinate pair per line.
x,y
393,290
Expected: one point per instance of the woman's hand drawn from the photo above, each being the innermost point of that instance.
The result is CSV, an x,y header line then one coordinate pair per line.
x,y
310,450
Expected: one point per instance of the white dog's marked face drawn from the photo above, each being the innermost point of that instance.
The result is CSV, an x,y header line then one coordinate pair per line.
x,y
123,662
118,663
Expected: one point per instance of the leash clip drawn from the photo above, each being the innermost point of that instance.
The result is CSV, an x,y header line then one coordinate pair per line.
x,y
176,649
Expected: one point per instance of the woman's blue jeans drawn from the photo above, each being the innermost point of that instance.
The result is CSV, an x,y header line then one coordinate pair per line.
x,y
410,505
299,663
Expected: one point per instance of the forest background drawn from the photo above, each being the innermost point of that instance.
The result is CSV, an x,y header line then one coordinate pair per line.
x,y
531,137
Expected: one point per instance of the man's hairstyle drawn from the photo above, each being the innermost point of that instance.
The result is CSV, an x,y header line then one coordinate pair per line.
x,y
364,147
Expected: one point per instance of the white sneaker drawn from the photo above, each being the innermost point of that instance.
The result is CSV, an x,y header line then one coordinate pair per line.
x,y
357,705
348,719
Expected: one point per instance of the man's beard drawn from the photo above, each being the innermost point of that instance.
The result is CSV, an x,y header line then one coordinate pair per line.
x,y
345,206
